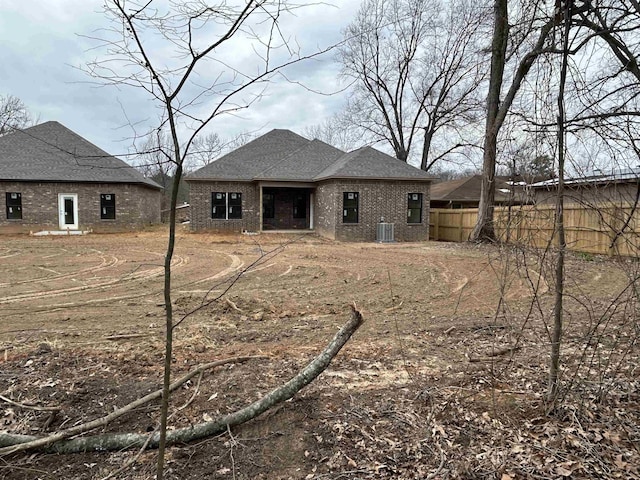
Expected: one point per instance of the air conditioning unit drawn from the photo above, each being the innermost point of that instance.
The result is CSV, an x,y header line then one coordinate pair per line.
x,y
385,233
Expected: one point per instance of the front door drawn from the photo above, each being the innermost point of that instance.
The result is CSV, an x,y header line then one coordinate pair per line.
x,y
68,211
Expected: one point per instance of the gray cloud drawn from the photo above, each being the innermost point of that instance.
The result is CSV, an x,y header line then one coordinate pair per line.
x,y
43,45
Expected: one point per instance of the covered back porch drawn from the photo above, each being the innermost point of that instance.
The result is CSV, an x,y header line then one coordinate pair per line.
x,y
286,207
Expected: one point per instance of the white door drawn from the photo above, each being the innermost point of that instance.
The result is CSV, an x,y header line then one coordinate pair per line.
x,y
68,211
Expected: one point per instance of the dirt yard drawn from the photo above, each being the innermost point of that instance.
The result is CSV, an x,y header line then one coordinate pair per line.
x,y
446,379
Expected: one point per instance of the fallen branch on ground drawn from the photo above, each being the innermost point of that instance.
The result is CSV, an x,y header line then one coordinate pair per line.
x,y
29,406
17,443
133,460
126,336
493,355
120,441
232,305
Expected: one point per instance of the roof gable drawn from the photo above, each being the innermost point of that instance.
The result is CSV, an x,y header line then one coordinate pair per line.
x,y
369,163
304,164
253,158
282,155
50,152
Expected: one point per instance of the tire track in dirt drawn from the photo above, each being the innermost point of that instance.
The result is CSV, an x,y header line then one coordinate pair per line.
x,y
132,277
8,253
113,261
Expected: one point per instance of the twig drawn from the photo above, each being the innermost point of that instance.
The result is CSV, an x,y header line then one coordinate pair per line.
x,y
433,475
29,406
395,307
232,444
126,335
134,459
232,305
151,434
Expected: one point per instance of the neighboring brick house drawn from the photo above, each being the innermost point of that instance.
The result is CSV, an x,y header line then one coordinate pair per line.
x,y
53,179
282,181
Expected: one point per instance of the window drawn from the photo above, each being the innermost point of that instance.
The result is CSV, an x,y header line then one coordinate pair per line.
x,y
299,206
350,207
235,205
219,205
414,208
225,206
268,205
107,206
14,206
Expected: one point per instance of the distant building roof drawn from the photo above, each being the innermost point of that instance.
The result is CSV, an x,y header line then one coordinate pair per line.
x,y
468,190
620,176
50,152
281,155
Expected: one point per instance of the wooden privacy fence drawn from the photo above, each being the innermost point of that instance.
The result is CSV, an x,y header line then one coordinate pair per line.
x,y
612,229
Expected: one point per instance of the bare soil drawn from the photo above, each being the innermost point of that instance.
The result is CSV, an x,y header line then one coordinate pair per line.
x,y
446,379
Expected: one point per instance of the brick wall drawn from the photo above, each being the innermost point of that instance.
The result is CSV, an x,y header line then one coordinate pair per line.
x,y
200,200
136,205
377,198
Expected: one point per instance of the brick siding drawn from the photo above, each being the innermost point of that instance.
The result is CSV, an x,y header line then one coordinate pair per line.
x,y
377,199
200,201
136,206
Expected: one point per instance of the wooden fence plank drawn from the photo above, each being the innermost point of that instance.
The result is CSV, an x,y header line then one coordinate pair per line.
x,y
596,229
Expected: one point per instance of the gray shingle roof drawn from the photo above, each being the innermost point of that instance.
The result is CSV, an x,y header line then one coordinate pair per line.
x,y
248,161
304,164
367,162
285,156
50,152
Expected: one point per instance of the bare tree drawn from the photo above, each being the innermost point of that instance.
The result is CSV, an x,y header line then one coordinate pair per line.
x,y
610,94
206,149
191,88
337,131
13,114
588,61
417,68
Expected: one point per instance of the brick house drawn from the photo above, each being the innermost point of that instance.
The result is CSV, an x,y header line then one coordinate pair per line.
x,y
53,179
282,181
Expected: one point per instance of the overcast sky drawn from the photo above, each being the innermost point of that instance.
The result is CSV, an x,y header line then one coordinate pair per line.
x,y
43,44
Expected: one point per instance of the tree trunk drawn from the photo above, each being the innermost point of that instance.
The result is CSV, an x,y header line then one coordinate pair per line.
x,y
426,146
119,441
556,336
484,230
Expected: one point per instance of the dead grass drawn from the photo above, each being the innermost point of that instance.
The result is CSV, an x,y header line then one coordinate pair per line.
x,y
82,329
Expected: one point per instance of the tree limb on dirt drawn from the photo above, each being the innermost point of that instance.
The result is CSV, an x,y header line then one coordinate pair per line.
x,y
28,406
120,441
126,336
17,443
232,305
492,355
133,460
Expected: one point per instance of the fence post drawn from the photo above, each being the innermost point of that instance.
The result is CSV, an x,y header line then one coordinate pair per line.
x,y
436,225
